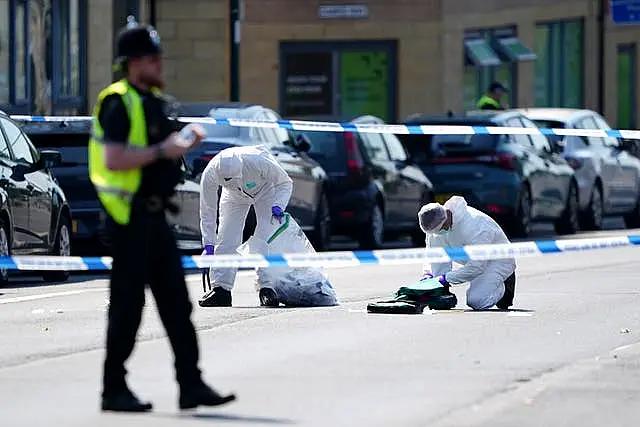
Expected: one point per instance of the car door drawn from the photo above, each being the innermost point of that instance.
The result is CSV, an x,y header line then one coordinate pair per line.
x,y
534,170
304,197
40,191
610,170
18,199
559,173
411,181
186,224
19,190
385,173
629,168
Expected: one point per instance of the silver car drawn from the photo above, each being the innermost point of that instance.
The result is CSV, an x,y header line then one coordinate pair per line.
x,y
608,175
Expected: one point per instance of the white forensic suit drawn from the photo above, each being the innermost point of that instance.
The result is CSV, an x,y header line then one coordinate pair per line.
x,y
472,227
248,175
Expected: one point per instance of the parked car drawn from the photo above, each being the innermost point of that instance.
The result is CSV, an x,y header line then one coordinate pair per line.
x,y
516,179
309,204
35,217
71,138
375,189
608,175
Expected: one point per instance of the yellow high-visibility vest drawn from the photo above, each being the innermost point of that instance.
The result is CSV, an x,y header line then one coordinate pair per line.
x,y
116,188
488,101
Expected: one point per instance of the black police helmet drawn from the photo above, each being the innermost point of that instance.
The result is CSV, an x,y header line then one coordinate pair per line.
x,y
136,40
497,87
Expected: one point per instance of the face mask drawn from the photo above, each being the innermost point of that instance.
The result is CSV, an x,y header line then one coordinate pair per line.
x,y
442,232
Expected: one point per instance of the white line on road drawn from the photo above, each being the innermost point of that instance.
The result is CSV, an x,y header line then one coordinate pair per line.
x,y
36,297
49,295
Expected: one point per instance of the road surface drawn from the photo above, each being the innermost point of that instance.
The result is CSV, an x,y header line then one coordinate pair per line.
x,y
567,355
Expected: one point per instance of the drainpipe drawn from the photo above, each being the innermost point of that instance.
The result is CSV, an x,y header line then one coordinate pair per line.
x,y
234,49
152,13
602,9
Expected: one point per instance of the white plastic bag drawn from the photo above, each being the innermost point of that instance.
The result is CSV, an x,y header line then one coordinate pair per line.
x,y
297,287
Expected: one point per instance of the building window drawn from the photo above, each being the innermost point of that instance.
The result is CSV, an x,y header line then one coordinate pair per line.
x,y
492,55
559,69
46,50
626,86
346,78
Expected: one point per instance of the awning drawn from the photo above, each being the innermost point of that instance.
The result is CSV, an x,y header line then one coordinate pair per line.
x,y
480,53
514,50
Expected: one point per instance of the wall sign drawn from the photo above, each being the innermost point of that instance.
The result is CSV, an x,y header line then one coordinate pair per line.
x,y
343,11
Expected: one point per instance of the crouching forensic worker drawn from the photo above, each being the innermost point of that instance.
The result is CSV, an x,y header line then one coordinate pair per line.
x,y
456,224
248,175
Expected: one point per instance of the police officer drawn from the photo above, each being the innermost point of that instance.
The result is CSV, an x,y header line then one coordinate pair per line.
x,y
134,156
491,101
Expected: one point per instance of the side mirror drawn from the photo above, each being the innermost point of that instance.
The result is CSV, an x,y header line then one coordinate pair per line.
x,y
19,170
50,159
301,142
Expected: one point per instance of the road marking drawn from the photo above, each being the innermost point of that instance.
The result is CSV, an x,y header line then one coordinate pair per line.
x,y
519,314
27,298
49,295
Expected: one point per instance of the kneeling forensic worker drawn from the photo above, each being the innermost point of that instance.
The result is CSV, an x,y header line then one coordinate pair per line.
x,y
456,224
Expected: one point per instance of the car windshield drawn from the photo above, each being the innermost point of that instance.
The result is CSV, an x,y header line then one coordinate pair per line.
x,y
70,139
222,131
327,148
422,148
551,124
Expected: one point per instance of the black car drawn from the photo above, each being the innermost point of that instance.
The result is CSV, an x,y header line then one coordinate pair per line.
x,y
35,218
375,189
71,139
309,203
515,178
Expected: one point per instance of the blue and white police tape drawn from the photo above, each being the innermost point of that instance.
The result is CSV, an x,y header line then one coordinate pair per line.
x,y
344,258
398,129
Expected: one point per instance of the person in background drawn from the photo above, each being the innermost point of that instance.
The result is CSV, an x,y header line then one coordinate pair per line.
x,y
492,99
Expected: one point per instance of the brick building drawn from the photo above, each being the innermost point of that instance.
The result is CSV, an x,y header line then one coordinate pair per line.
x,y
385,57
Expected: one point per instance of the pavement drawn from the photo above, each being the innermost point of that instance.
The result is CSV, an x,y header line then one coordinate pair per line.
x,y
568,354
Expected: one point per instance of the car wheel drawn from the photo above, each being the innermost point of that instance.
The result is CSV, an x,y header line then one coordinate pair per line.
x,y
522,221
373,236
321,238
568,223
632,219
5,250
62,247
592,219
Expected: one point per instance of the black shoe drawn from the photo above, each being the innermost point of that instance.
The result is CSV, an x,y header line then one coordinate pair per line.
x,y
216,297
268,298
124,401
202,395
509,293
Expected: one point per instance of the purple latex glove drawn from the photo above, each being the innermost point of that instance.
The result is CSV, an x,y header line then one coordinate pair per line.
x,y
426,276
443,280
277,212
208,250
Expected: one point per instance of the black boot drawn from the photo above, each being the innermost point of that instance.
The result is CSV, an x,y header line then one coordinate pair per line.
x,y
202,395
268,298
509,293
124,401
216,297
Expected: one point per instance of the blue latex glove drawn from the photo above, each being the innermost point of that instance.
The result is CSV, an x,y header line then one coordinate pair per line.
x,y
426,276
208,250
277,212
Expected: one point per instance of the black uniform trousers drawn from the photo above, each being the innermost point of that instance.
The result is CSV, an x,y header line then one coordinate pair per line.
x,y
145,252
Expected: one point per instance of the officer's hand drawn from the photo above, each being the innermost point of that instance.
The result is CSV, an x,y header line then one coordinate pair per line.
x,y
173,147
199,134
